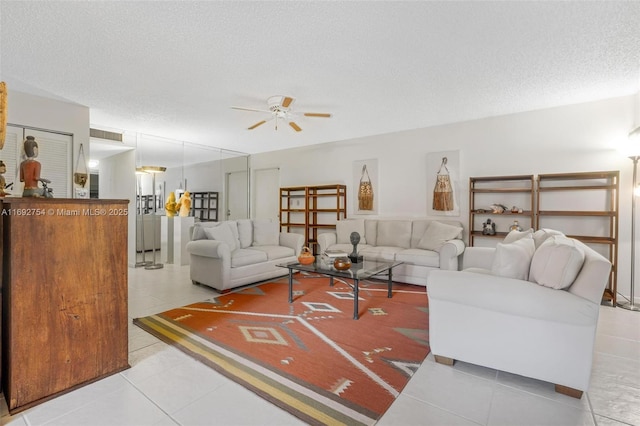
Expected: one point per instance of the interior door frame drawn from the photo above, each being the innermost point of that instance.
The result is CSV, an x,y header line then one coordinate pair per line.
x,y
227,178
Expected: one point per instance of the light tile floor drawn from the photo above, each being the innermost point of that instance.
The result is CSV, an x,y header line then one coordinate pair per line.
x,y
166,387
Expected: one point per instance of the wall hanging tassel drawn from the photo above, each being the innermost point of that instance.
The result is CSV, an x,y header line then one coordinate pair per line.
x,y
78,177
365,192
443,191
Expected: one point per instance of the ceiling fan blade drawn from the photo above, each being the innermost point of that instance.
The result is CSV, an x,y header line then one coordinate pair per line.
x,y
250,109
295,126
317,114
259,123
287,101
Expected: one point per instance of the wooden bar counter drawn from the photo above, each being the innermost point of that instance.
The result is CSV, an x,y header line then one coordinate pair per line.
x,y
64,296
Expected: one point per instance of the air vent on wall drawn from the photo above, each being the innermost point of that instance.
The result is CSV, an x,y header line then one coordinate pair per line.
x,y
103,134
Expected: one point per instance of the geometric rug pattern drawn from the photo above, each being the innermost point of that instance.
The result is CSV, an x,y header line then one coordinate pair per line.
x,y
309,357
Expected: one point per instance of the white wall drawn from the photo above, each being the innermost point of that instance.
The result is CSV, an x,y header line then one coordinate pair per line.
x,y
576,138
117,181
49,114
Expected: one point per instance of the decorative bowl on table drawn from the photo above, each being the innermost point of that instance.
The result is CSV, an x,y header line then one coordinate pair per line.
x,y
342,263
306,258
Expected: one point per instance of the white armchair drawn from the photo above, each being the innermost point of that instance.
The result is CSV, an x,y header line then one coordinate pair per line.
x,y
516,325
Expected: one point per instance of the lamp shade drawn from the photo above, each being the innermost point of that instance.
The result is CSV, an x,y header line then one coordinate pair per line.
x,y
154,169
631,147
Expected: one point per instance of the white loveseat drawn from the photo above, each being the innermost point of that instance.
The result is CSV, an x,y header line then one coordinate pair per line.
x,y
229,254
533,317
422,245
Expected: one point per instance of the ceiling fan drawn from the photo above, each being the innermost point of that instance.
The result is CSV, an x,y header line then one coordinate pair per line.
x,y
280,109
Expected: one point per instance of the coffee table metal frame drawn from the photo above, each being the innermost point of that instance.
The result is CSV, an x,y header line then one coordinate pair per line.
x,y
357,272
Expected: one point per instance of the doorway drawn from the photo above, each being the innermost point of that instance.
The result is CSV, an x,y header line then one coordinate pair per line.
x,y
237,190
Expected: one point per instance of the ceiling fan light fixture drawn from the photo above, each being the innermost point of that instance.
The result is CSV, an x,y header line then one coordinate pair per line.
x,y
257,124
280,108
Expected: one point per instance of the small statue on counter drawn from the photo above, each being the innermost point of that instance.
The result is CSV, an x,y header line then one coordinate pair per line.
x,y
30,169
170,206
355,239
184,204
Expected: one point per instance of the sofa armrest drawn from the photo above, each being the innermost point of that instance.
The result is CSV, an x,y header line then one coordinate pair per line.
x,y
478,257
291,240
449,253
327,239
209,248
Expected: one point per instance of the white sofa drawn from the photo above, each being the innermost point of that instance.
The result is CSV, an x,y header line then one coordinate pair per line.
x,y
422,245
229,254
535,318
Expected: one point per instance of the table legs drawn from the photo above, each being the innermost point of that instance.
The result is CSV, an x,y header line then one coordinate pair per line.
x,y
356,290
355,298
290,285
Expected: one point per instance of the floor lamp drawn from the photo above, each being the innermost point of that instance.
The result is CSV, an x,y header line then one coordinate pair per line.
x,y
154,170
140,214
634,145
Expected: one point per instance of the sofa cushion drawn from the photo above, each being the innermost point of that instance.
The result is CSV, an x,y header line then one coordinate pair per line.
x,y
541,235
244,257
513,297
380,253
348,248
245,232
266,233
516,235
419,257
274,252
513,260
224,233
394,233
345,227
371,231
556,263
198,230
437,234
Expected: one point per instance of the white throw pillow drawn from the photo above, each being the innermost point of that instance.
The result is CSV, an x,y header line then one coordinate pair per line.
x,y
513,260
516,235
394,233
266,233
436,234
541,235
345,227
198,232
557,262
223,233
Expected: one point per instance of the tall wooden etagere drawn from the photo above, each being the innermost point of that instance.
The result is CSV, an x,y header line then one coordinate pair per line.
x,y
582,205
312,209
594,223
507,190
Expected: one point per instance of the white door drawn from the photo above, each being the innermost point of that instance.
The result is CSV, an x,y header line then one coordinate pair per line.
x,y
266,204
237,195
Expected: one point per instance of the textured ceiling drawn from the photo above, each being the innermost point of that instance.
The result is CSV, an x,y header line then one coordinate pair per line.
x,y
174,68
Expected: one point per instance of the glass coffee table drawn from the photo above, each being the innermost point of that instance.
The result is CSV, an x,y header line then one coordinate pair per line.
x,y
358,271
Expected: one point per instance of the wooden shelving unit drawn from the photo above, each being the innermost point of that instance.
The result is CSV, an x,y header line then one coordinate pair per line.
x,y
204,206
312,209
595,224
507,190
144,203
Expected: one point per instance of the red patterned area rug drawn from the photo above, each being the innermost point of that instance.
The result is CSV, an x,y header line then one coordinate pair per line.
x,y
309,357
